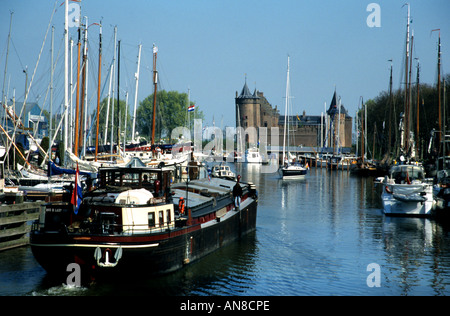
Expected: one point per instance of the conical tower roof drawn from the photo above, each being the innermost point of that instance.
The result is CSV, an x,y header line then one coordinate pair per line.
x,y
246,94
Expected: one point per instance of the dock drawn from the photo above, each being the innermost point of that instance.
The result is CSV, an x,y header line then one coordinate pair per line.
x,y
14,223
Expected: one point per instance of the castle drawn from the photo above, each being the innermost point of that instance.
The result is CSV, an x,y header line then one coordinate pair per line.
x,y
253,110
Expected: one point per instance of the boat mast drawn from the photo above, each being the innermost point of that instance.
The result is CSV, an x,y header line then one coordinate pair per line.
x,y
84,106
70,98
417,108
408,118
136,93
406,111
118,94
98,88
390,111
66,78
439,85
286,122
362,129
50,132
155,83
77,100
112,104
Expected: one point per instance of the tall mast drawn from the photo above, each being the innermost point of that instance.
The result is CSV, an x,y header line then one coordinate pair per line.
x,y
155,83
286,122
362,128
439,85
84,100
98,88
50,134
136,93
408,118
118,94
417,107
77,100
112,104
405,131
66,77
390,111
70,98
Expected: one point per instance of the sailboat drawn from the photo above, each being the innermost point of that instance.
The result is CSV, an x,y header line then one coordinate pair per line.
x,y
291,167
406,190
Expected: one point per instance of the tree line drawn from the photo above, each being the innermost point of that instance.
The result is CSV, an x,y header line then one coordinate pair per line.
x,y
171,112
386,109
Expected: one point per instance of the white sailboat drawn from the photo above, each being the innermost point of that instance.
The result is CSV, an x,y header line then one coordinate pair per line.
x,y
291,167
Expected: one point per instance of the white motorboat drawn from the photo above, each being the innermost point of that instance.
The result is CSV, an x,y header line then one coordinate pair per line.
x,y
252,155
407,193
223,171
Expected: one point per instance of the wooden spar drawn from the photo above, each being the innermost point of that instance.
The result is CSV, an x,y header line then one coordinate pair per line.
x,y
77,106
155,82
98,88
84,87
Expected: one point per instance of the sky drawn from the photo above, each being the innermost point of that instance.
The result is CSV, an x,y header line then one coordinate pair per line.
x,y
211,47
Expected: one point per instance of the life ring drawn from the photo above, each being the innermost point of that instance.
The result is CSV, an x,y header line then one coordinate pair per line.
x,y
181,205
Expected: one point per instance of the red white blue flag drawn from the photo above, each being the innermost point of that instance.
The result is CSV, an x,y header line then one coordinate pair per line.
x,y
191,108
77,193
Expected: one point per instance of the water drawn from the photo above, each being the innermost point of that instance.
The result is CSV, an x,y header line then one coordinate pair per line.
x,y
315,236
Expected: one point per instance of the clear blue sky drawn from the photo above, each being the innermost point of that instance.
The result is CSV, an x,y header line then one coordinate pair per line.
x,y
209,46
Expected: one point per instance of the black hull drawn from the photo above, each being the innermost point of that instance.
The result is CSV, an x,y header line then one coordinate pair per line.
x,y
141,254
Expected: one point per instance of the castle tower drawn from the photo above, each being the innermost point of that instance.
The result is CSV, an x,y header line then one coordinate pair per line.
x,y
248,113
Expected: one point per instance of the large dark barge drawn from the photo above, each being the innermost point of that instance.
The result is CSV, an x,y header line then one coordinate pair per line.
x,y
136,221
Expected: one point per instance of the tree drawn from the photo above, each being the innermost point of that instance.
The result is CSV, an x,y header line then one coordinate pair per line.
x,y
102,120
378,114
171,112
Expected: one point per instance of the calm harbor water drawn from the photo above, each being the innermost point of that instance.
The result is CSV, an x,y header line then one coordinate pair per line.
x,y
315,236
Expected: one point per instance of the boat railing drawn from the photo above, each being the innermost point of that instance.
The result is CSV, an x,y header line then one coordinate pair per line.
x,y
106,228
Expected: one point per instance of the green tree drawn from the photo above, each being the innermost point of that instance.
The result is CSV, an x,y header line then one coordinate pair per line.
x,y
171,112
378,115
102,120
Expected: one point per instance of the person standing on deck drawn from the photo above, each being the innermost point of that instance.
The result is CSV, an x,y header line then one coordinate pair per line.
x,y
237,192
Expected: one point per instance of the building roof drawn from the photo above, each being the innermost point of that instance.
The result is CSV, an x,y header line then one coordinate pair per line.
x,y
303,120
246,94
333,109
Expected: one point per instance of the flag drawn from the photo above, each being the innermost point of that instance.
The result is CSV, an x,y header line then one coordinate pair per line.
x,y
77,193
191,108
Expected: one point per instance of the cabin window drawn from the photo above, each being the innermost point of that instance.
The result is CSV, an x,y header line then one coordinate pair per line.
x,y
151,219
161,218
168,216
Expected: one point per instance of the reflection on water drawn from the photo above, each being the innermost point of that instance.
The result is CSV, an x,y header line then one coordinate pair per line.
x,y
314,236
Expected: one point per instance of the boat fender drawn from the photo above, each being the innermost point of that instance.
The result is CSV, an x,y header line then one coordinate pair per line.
x,y
181,205
388,190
